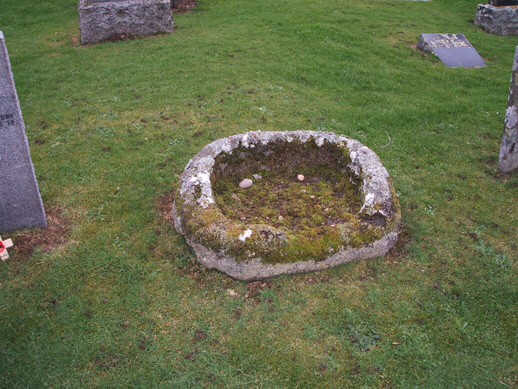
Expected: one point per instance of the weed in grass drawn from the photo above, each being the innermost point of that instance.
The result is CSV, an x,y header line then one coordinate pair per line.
x,y
430,210
364,335
498,259
267,295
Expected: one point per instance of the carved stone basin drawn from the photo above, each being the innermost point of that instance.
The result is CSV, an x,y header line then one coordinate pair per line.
x,y
317,200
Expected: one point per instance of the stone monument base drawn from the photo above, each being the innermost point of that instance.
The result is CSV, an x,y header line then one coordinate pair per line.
x,y
103,19
498,20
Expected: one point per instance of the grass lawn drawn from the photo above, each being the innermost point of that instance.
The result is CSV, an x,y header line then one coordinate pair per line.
x,y
110,296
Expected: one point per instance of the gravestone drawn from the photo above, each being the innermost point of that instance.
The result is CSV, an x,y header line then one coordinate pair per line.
x,y
20,201
500,3
454,50
498,19
509,148
122,19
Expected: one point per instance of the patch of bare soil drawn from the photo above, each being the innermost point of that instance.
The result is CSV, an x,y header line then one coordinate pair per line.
x,y
253,288
490,166
316,278
182,6
47,239
120,37
399,250
164,205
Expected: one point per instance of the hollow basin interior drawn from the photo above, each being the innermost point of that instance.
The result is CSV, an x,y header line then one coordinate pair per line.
x,y
328,195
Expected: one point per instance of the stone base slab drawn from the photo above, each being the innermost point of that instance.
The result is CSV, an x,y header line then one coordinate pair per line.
x,y
101,20
498,20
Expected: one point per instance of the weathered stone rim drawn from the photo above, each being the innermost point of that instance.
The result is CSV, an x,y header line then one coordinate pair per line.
x,y
195,198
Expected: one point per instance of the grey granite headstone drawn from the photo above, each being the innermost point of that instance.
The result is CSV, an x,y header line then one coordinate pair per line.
x,y
509,148
121,19
498,20
454,50
20,200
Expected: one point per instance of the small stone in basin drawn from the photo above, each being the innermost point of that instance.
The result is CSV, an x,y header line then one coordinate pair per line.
x,y
246,183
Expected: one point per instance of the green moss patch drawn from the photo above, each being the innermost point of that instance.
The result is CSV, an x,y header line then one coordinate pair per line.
x,y
315,216
277,198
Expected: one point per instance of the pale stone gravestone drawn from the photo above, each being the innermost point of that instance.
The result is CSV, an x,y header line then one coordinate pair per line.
x,y
118,19
508,150
499,17
454,50
20,200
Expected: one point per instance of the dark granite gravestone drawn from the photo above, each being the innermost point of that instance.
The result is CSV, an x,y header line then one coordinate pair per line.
x,y
500,3
509,148
454,50
20,201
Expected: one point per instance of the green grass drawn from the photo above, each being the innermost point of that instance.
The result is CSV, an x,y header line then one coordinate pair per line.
x,y
123,303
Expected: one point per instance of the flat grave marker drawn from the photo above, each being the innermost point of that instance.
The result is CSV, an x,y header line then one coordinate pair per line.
x,y
454,50
20,200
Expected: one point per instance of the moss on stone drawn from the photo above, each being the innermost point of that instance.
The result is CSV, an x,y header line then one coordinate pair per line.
x,y
286,220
